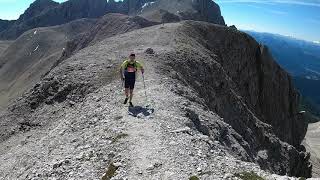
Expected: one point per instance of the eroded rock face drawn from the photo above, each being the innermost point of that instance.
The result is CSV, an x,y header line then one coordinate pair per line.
x,y
260,82
107,26
4,24
36,9
43,13
242,83
200,10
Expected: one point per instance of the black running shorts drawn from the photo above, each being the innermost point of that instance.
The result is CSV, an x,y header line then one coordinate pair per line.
x,y
130,80
129,83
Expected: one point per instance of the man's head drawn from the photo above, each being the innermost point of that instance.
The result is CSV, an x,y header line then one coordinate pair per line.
x,y
132,56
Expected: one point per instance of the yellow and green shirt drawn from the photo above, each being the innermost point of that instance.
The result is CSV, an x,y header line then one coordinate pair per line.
x,y
131,67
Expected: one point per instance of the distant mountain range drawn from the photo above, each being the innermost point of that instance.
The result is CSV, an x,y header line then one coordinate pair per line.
x,y
301,59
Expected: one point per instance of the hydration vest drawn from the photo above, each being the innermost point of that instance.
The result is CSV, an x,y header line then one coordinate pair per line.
x,y
130,68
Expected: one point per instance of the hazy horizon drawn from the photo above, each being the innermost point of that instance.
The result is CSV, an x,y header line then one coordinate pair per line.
x,y
298,19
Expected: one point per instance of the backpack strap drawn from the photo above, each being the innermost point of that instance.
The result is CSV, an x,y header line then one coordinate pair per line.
x,y
134,65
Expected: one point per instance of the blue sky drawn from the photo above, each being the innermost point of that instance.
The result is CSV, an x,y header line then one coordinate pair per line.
x,y
296,18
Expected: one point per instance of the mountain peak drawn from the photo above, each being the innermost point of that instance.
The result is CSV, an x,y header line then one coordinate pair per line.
x,y
36,8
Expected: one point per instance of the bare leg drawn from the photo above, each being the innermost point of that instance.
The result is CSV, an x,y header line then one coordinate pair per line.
x,y
131,95
127,92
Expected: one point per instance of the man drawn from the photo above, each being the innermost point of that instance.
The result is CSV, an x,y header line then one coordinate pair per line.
x,y
128,72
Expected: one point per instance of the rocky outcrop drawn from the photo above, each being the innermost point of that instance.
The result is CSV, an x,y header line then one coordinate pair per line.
x,y
107,26
209,11
37,8
257,77
200,10
243,84
43,13
28,19
4,24
31,56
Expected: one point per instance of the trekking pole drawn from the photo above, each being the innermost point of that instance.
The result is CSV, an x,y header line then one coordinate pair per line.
x,y
144,85
122,82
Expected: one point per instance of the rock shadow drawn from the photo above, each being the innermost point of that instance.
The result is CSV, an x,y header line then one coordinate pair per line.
x,y
140,111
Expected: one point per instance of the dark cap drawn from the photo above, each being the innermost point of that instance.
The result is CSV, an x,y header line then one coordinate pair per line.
x,y
132,54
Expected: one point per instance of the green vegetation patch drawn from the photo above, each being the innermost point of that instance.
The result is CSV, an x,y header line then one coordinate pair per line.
x,y
249,176
111,171
118,137
194,178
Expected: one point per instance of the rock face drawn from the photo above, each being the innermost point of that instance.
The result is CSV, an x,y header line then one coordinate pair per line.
x,y
201,116
209,11
201,10
43,13
29,19
254,72
4,24
36,9
31,56
107,26
244,85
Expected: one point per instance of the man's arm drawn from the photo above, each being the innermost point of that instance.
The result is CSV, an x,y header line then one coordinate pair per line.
x,y
121,73
140,66
123,65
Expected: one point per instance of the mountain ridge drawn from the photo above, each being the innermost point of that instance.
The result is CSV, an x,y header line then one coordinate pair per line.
x,y
245,136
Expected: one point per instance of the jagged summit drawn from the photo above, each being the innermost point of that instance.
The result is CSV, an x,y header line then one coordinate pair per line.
x,y
36,8
202,10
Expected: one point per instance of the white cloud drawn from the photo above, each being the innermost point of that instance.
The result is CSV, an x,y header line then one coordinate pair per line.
x,y
315,21
277,12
